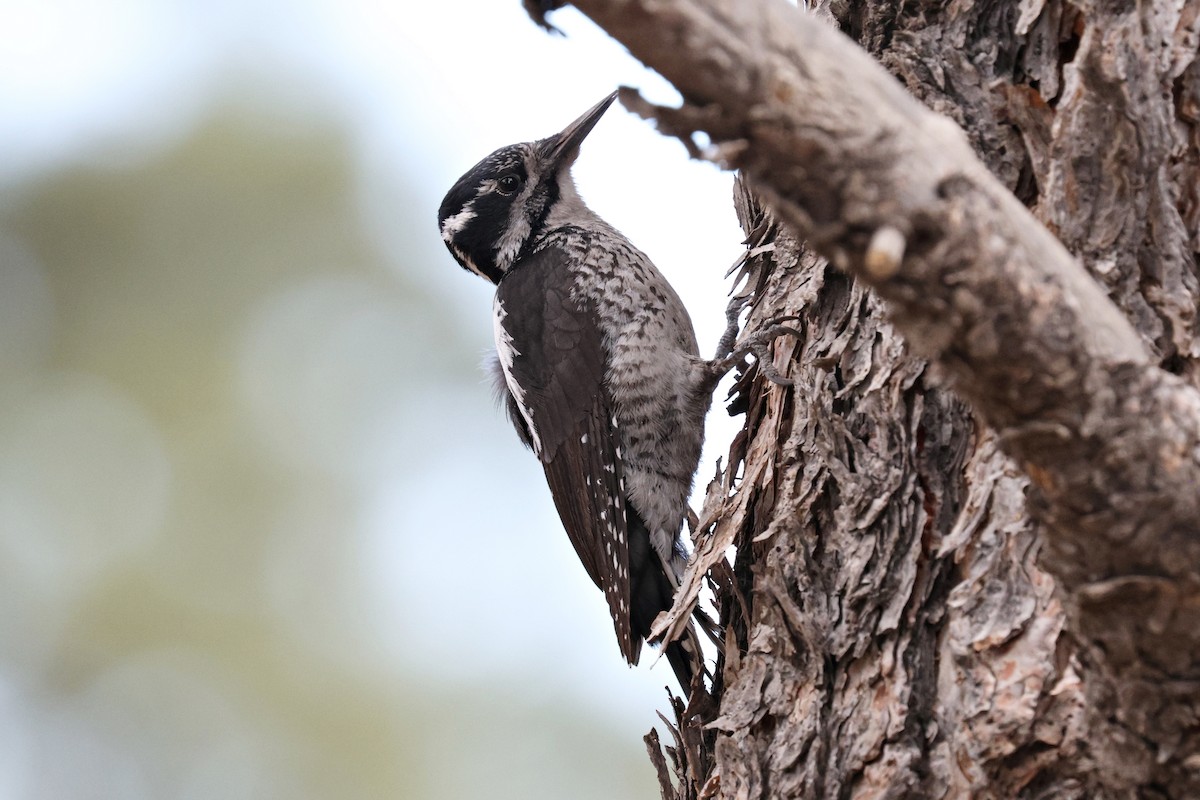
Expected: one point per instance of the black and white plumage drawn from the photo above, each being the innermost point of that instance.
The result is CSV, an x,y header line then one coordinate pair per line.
x,y
599,370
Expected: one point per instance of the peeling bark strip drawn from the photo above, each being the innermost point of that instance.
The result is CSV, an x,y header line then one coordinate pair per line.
x,y
890,631
899,625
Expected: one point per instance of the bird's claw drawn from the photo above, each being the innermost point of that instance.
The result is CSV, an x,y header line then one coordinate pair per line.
x,y
758,345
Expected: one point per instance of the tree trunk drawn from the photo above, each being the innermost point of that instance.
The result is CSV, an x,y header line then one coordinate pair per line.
x,y
992,596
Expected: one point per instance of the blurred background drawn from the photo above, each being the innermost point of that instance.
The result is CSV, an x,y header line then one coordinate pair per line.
x,y
263,533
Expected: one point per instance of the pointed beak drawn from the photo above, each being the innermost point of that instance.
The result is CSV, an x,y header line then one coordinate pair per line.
x,y
564,146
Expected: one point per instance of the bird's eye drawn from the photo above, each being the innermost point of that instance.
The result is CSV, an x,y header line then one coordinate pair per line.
x,y
508,184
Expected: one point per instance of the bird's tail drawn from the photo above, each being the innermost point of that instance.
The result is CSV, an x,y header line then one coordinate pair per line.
x,y
684,654
653,585
686,658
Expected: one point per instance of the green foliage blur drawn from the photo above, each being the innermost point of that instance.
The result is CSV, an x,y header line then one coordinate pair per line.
x,y
199,349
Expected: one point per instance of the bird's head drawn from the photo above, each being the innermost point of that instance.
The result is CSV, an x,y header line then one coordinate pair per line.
x,y
495,211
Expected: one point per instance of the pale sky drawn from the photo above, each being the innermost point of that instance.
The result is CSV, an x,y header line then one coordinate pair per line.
x,y
425,88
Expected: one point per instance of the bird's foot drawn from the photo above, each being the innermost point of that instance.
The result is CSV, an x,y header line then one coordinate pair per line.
x,y
758,345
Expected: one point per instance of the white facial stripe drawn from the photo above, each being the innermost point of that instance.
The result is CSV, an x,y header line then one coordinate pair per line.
x,y
507,353
518,230
466,261
456,223
514,236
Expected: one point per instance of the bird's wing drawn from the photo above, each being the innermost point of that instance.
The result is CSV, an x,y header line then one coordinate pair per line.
x,y
552,354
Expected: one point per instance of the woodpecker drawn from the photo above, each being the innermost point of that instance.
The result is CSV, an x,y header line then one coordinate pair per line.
x,y
597,365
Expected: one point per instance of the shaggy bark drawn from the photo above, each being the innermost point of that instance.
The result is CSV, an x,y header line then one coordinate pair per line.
x,y
901,621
